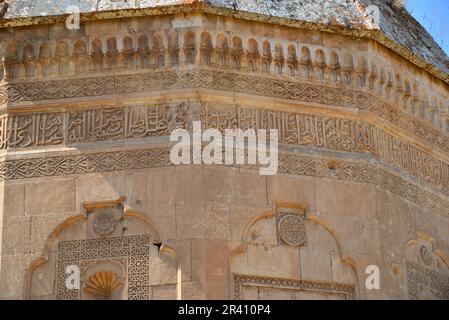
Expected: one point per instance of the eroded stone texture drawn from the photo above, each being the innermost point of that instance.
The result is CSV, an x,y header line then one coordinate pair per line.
x,y
86,178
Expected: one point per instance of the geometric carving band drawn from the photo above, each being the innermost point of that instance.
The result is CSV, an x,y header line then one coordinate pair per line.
x,y
420,278
114,124
132,253
289,163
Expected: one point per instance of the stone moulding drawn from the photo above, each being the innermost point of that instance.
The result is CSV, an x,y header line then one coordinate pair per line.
x,y
90,206
348,290
206,8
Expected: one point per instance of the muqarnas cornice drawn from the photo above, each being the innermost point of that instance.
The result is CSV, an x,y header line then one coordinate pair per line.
x,y
92,128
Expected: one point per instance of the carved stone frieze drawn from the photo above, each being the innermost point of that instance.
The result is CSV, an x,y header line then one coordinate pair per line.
x,y
241,281
298,129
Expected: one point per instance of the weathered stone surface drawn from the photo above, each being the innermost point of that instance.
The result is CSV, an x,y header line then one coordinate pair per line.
x,y
217,262
190,221
395,223
345,199
98,187
55,196
164,218
317,238
164,292
18,232
86,177
240,217
41,227
15,200
163,272
334,14
11,281
217,219
291,189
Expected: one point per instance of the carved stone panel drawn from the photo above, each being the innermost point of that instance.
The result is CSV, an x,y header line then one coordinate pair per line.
x,y
424,283
72,128
104,223
104,218
131,253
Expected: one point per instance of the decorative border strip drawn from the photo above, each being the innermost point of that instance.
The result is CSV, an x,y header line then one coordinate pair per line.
x,y
299,285
289,163
366,173
277,87
119,124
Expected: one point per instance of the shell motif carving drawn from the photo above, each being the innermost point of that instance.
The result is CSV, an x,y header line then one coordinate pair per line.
x,y
103,283
426,255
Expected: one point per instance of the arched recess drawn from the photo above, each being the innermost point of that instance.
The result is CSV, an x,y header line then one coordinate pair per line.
x,y
106,241
427,269
286,253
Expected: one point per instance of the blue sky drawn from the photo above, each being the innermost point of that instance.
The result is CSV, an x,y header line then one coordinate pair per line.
x,y
434,16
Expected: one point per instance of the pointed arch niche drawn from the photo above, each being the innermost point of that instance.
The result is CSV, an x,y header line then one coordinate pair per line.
x,y
118,253
288,253
427,269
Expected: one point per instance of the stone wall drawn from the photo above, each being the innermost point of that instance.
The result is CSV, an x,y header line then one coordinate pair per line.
x,y
204,213
363,164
